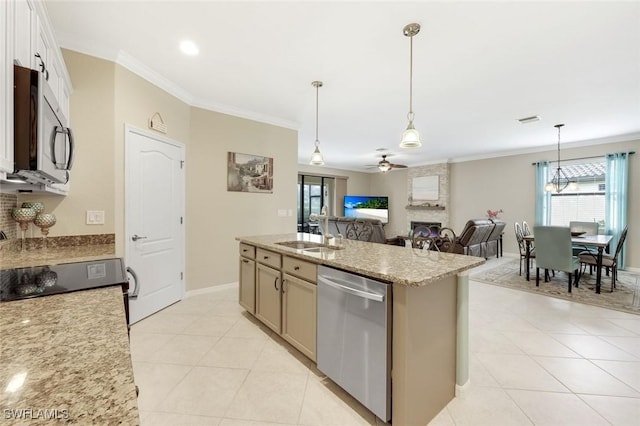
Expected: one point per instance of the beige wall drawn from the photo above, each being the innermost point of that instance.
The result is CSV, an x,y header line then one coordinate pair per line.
x,y
105,97
508,183
92,117
216,216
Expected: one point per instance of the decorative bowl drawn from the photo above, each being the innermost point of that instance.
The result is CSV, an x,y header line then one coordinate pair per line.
x,y
23,215
577,233
35,205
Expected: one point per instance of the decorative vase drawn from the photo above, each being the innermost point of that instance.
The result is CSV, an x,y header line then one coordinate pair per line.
x,y
44,221
23,216
35,205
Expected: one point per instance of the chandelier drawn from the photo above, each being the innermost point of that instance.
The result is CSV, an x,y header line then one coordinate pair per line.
x,y
560,180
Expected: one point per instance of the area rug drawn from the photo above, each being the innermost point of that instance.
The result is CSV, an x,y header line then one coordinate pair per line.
x,y
625,297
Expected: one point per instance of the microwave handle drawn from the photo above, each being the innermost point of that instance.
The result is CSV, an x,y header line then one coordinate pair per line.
x,y
71,147
66,131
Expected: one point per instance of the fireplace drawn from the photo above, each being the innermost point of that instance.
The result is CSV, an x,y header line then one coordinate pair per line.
x,y
433,226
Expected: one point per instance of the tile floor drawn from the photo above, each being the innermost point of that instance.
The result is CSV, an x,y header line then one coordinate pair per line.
x,y
533,360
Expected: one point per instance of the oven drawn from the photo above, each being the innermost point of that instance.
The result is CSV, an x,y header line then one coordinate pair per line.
x,y
47,280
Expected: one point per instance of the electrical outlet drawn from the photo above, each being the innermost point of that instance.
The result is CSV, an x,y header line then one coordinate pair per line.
x,y
95,217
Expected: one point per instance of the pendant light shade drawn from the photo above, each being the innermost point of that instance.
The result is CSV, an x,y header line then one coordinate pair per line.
x,y
316,155
411,137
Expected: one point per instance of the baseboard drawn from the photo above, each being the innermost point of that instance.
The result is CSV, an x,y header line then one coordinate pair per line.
x,y
210,289
461,389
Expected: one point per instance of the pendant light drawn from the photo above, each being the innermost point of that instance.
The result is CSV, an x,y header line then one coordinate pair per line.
x,y
411,137
316,156
560,180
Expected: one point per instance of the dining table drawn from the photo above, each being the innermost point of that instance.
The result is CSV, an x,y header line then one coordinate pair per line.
x,y
598,242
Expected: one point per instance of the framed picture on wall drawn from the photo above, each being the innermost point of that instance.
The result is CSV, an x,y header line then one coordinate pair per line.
x,y
249,173
426,188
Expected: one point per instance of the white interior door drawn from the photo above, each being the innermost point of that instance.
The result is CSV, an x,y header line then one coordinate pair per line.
x,y
154,221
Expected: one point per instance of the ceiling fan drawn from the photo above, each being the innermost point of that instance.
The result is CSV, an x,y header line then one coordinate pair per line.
x,y
384,165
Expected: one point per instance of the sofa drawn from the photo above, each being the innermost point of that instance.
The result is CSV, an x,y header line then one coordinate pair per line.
x,y
358,229
480,237
493,245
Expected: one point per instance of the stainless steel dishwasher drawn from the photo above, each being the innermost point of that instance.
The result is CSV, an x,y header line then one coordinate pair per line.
x,y
354,336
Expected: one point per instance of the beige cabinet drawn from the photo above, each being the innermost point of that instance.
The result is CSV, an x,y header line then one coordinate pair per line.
x,y
284,290
247,280
299,314
268,296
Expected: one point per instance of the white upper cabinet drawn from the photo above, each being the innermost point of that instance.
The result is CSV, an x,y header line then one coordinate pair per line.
x,y
6,88
26,39
24,31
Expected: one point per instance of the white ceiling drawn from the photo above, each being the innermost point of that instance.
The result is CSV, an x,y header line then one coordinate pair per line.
x,y
478,67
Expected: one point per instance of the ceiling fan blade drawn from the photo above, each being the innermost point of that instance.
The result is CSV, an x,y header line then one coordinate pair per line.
x,y
398,166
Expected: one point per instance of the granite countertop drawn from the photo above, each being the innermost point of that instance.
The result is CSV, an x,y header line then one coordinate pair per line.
x,y
400,265
67,356
51,256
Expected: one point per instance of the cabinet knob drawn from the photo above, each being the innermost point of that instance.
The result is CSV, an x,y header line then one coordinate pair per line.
x,y
296,268
265,257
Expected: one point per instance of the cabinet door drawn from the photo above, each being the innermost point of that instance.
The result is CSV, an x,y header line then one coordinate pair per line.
x,y
6,87
299,314
24,30
247,285
42,46
268,300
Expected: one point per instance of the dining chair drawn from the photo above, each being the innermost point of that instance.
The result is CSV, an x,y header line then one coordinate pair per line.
x,y
553,252
525,228
608,261
522,247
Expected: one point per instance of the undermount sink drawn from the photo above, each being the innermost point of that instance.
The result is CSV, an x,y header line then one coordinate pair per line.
x,y
309,246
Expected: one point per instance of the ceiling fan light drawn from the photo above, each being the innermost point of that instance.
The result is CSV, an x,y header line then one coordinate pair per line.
x,y
316,157
410,137
384,167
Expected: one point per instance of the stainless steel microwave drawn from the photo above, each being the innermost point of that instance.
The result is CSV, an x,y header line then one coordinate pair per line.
x,y
43,142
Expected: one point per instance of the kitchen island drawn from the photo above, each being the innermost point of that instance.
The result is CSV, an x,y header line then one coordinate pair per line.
x,y
66,357
429,312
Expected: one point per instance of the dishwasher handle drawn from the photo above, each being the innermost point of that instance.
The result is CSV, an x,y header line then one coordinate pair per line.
x,y
344,287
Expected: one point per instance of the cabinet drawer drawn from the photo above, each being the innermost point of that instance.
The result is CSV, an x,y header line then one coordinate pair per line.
x,y
269,258
247,251
300,268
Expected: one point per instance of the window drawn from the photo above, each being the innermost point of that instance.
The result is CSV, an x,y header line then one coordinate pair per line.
x,y
586,204
313,193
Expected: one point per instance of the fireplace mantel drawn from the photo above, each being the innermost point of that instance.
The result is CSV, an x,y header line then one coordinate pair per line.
x,y
414,207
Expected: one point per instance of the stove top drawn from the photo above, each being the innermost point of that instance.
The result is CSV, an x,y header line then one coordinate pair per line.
x,y
46,280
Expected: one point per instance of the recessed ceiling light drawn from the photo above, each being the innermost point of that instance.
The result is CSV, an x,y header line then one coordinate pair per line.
x,y
189,48
531,119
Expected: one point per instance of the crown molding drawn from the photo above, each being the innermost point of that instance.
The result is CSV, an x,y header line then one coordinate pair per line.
x,y
580,144
242,113
137,67
129,62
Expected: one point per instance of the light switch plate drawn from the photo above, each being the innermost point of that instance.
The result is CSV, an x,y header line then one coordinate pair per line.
x,y
95,217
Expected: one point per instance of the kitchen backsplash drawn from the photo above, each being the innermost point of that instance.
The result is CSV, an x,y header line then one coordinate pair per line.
x,y
7,224
62,241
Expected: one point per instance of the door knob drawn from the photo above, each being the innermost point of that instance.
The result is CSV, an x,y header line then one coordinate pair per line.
x,y
137,237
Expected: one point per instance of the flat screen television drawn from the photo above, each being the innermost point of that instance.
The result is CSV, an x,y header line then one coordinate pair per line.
x,y
367,207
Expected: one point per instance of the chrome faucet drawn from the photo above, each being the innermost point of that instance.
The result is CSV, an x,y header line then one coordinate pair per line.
x,y
324,226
